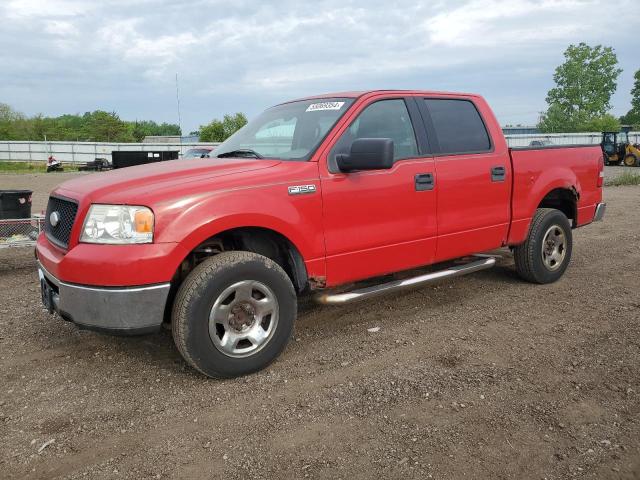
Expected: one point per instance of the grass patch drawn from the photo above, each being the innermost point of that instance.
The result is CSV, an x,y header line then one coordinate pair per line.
x,y
30,167
625,178
22,167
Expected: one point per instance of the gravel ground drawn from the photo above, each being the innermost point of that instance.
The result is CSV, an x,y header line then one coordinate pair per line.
x,y
615,170
482,377
40,183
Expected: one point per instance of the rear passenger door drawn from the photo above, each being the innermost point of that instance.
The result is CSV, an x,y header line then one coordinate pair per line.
x,y
473,178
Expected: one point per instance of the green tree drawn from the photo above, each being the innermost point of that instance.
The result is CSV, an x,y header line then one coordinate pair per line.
x,y
605,123
101,126
9,114
168,129
633,116
585,83
91,126
145,128
220,130
12,123
555,120
136,130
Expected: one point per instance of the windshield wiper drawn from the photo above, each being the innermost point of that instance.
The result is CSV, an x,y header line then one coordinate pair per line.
x,y
239,153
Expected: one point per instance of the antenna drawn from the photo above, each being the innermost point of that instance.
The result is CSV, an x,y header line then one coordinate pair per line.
x,y
178,102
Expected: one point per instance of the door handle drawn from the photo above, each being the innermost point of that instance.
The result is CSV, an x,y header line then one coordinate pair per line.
x,y
498,174
424,181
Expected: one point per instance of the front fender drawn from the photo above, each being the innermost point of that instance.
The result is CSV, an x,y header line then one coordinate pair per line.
x,y
191,221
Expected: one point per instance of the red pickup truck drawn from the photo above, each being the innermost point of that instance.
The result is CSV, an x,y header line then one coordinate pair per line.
x,y
311,195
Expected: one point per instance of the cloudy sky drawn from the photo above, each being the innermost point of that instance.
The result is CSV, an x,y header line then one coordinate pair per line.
x,y
72,56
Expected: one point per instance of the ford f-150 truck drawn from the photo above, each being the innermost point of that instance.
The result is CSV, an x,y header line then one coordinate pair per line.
x,y
311,195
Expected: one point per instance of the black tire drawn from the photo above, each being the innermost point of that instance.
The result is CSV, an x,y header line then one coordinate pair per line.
x,y
631,161
204,286
530,263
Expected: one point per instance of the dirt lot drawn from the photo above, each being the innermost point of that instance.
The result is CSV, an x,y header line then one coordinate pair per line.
x,y
480,377
40,183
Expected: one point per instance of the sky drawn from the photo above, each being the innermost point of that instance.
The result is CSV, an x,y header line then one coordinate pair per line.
x,y
73,56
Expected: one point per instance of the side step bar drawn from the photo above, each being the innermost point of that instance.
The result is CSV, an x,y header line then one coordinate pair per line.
x,y
482,263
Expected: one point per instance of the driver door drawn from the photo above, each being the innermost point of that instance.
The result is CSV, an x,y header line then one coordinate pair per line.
x,y
379,221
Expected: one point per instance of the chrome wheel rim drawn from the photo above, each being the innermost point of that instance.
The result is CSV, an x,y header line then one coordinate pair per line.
x,y
554,247
243,318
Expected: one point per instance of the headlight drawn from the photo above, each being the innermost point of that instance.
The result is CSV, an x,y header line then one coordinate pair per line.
x,y
118,224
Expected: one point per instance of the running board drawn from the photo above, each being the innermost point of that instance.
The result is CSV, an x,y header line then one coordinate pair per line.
x,y
482,263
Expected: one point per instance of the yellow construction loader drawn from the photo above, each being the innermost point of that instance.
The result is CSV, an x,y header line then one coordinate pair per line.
x,y
619,150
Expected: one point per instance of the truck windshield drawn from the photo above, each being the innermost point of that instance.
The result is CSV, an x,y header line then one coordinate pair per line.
x,y
291,131
197,153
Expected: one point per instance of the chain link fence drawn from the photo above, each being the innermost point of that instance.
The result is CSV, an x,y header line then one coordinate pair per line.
x,y
21,232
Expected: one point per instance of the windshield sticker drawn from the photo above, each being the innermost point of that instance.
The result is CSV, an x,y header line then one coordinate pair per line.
x,y
314,107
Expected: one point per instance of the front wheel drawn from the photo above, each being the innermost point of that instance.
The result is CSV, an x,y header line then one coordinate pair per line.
x,y
233,314
546,253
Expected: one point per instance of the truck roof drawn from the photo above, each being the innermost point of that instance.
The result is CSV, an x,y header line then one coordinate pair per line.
x,y
360,93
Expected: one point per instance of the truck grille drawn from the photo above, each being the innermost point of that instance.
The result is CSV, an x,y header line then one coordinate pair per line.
x,y
66,214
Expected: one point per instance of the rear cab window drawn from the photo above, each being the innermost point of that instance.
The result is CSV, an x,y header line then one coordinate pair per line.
x,y
458,126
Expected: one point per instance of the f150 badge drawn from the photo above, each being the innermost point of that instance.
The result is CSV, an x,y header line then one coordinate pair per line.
x,y
301,189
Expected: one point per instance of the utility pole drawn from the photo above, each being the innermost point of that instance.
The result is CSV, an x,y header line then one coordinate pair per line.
x,y
179,117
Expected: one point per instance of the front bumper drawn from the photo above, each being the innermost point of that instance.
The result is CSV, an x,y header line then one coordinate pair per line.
x,y
599,213
118,310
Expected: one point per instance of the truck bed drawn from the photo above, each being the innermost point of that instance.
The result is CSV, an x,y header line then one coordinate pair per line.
x,y
537,169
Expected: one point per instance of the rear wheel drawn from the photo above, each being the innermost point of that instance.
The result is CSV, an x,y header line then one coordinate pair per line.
x,y
233,314
546,253
631,161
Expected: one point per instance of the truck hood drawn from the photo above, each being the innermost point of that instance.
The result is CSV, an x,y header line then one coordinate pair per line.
x,y
142,182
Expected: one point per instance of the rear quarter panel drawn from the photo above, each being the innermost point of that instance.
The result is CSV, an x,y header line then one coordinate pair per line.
x,y
536,172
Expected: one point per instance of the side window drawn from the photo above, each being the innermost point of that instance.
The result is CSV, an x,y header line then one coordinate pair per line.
x,y
383,119
458,126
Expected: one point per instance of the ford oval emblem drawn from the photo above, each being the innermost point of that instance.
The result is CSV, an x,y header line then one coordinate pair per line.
x,y
54,219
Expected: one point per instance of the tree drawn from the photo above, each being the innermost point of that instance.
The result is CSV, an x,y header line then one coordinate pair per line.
x,y
168,129
555,120
220,130
633,116
9,114
92,126
101,126
145,128
585,83
12,123
605,123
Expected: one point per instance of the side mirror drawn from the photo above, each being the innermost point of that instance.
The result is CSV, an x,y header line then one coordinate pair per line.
x,y
367,154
